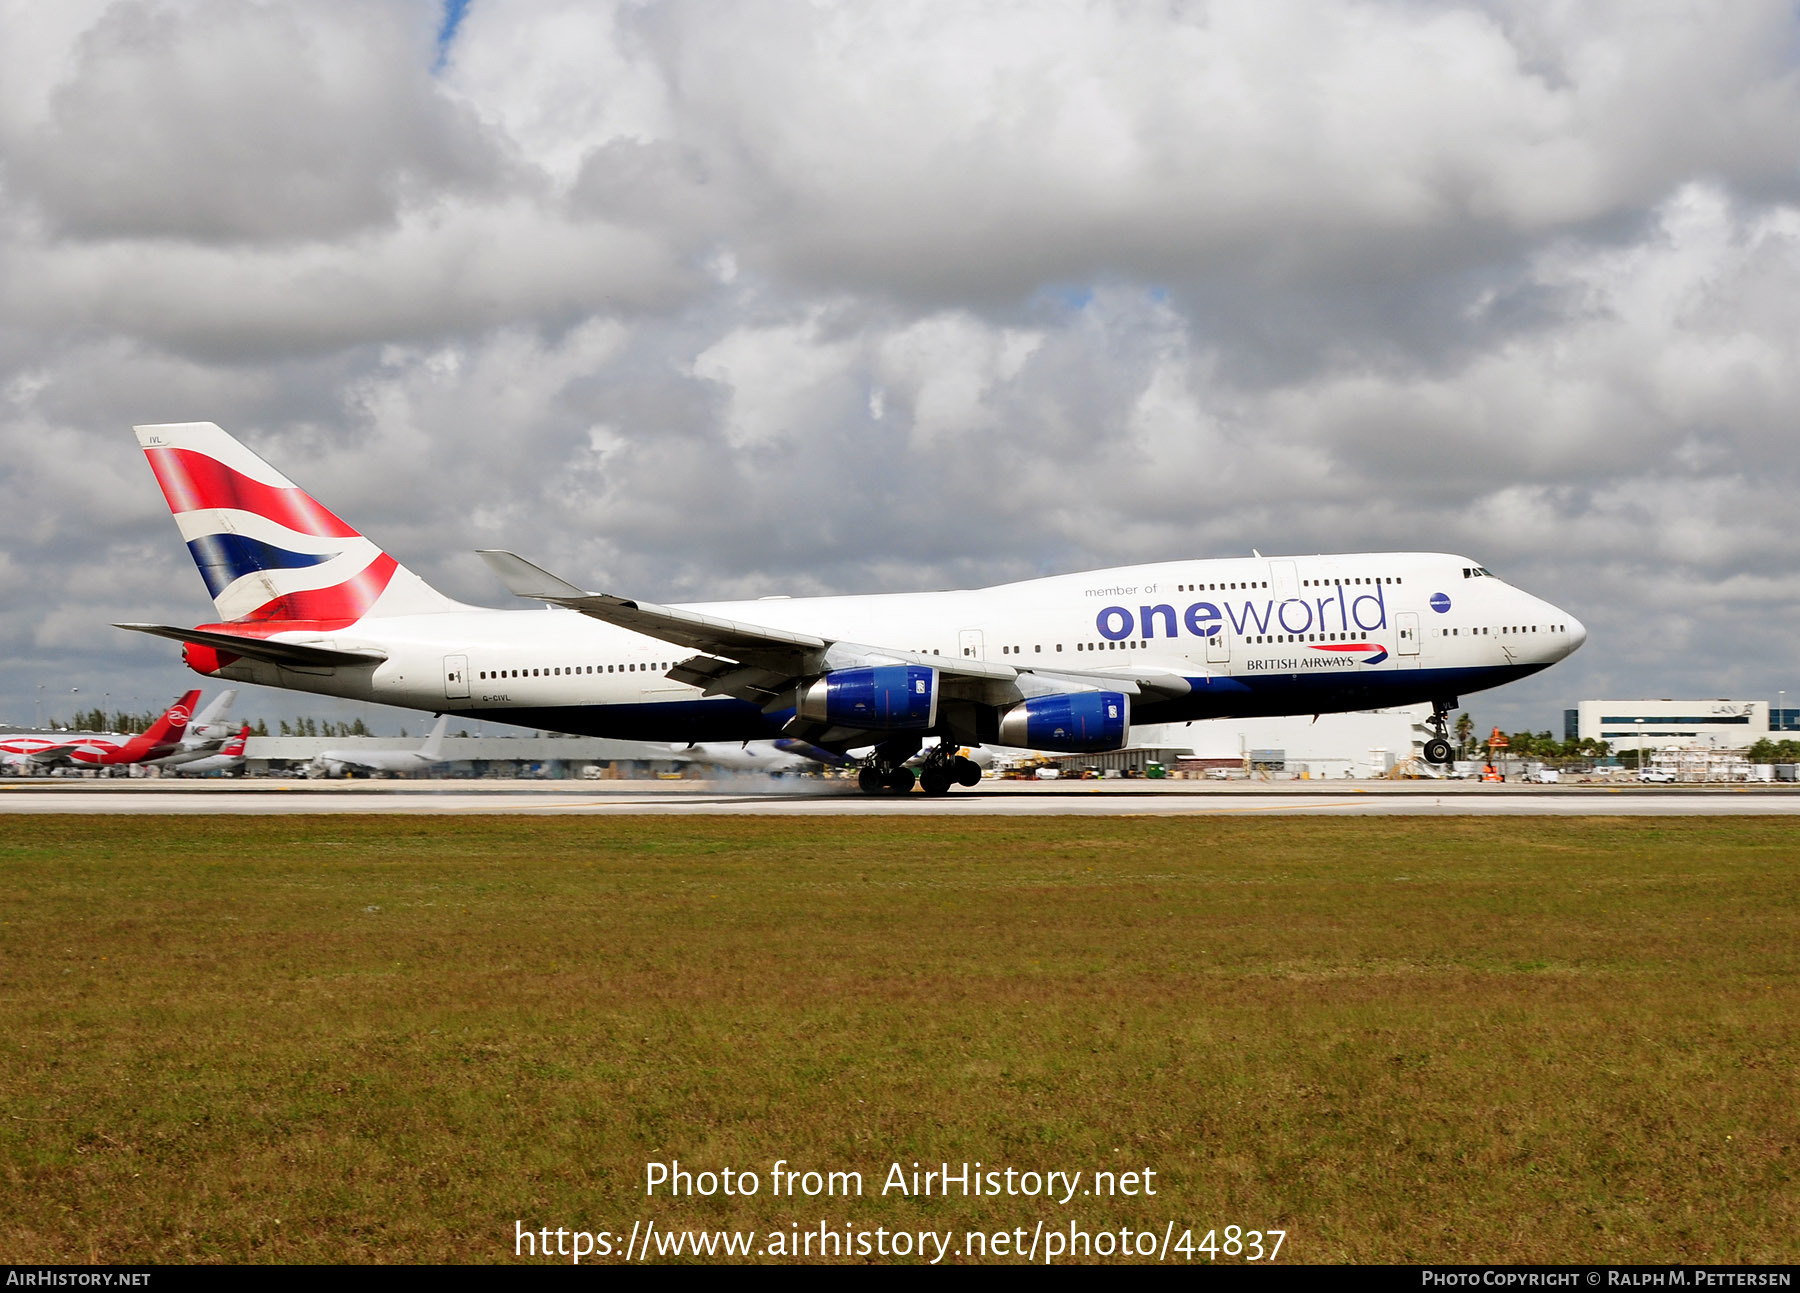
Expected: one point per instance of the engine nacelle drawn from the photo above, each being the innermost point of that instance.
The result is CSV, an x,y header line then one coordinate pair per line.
x,y
886,698
1080,722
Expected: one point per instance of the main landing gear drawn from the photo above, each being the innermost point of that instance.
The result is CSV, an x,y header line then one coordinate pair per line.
x,y
1437,749
874,779
886,768
944,768
941,768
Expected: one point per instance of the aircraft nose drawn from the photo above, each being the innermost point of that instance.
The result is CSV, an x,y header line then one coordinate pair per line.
x,y
1576,632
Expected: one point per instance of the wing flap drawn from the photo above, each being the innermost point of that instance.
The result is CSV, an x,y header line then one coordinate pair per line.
x,y
716,677
1161,683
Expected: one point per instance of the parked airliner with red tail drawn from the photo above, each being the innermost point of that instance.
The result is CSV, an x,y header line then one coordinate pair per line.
x,y
32,751
1066,663
229,758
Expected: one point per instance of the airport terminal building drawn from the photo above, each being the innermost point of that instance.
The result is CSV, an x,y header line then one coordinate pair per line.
x,y
1683,724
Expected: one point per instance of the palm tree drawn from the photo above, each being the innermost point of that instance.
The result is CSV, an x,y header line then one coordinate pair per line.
x,y
1465,731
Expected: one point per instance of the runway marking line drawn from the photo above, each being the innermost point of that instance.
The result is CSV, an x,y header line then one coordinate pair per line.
x,y
685,802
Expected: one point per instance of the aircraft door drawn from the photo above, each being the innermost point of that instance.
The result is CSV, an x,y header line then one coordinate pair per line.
x,y
1218,647
456,677
968,645
1406,645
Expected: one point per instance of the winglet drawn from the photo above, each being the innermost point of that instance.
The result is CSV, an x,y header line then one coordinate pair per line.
x,y
523,579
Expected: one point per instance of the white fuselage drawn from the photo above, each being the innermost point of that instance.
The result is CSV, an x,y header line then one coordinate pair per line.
x,y
205,763
743,756
336,762
1251,635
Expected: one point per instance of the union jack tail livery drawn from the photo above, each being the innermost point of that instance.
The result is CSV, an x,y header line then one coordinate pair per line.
x,y
271,554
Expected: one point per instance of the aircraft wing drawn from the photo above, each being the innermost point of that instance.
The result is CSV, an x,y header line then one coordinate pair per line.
x,y
684,628
1160,684
762,665
780,654
305,655
53,753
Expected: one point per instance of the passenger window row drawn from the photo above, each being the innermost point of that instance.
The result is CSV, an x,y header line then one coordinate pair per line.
x,y
563,671
1510,628
1352,582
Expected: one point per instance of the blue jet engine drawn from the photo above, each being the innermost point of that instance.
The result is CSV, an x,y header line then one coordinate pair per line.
x,y
885,698
1081,722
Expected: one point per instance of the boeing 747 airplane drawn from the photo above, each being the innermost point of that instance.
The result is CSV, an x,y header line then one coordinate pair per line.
x,y
1066,663
228,758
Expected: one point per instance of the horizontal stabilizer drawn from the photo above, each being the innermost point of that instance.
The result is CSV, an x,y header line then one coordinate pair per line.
x,y
298,654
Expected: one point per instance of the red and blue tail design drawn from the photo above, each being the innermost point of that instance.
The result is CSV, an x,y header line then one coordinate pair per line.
x,y
269,552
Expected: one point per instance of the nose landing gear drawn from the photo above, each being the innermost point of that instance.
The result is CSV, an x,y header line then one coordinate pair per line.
x,y
1437,749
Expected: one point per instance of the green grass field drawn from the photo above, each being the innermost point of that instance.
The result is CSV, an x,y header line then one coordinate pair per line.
x,y
390,1039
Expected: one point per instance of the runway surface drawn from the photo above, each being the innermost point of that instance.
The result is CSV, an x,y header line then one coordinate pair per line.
x,y
750,796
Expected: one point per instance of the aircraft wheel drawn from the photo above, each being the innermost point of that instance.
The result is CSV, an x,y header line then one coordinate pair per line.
x,y
869,780
900,780
1437,750
935,781
966,771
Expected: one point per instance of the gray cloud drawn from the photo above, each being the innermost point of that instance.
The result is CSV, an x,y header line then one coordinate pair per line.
x,y
221,122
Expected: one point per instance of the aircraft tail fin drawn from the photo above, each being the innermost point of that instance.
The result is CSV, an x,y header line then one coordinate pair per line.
x,y
433,748
268,551
164,735
216,711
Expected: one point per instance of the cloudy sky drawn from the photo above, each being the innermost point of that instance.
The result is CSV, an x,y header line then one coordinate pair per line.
x,y
691,300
